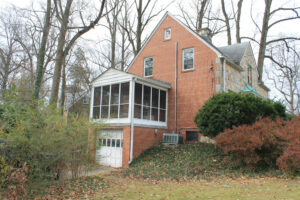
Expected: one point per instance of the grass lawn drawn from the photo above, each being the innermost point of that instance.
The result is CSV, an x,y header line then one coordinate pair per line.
x,y
240,188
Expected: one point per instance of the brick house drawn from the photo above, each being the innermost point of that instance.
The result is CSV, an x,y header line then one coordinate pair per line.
x,y
172,76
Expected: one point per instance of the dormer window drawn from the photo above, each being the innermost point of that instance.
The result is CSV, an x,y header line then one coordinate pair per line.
x,y
167,34
148,66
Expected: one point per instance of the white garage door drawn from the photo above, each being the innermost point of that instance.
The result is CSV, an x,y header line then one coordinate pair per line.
x,y
110,152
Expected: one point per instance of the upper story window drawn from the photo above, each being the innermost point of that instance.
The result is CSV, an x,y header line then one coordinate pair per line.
x,y
150,103
249,75
188,59
148,66
167,34
111,101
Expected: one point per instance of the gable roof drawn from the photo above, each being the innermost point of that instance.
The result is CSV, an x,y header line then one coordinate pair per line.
x,y
201,38
235,52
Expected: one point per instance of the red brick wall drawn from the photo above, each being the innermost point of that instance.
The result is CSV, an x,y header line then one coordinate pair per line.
x,y
194,87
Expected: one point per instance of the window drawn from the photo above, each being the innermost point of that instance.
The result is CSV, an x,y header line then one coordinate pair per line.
x,y
249,75
188,59
148,66
150,103
85,100
167,34
111,101
96,105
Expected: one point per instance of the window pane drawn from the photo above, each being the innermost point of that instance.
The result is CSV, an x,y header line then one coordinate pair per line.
x,y
148,71
104,142
188,58
114,99
148,66
105,97
96,112
124,111
113,111
154,97
137,111
163,99
97,97
118,143
113,142
104,112
154,114
124,93
138,94
162,115
147,95
108,142
146,112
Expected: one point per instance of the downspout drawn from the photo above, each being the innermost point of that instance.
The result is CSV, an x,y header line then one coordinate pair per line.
x,y
131,120
175,96
224,73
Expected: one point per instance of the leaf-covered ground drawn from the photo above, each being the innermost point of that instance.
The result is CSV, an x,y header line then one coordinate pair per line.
x,y
243,188
189,161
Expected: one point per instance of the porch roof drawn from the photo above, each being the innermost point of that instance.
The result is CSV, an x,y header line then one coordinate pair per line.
x,y
112,73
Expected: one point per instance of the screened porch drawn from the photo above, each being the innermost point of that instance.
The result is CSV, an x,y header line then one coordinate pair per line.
x,y
113,99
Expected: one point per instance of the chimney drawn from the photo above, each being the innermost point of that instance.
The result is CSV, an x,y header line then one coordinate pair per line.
x,y
206,33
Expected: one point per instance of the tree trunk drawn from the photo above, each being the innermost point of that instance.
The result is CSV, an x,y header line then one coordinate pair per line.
x,y
263,39
201,15
59,59
42,51
226,22
238,20
139,27
63,89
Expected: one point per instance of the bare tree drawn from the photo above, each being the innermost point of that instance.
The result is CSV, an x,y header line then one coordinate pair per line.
x,y
272,18
238,21
63,14
42,51
139,14
285,74
11,58
227,22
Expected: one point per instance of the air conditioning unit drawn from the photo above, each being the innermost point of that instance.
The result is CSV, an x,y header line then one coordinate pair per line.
x,y
172,138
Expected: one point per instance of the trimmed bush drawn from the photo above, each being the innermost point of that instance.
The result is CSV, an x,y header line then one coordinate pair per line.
x,y
266,143
226,110
259,144
289,162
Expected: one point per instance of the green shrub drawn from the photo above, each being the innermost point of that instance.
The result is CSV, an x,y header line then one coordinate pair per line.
x,y
5,169
226,110
45,140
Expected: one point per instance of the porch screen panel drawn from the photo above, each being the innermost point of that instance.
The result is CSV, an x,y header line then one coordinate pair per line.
x,y
146,103
138,101
96,103
105,101
163,106
114,101
124,100
154,110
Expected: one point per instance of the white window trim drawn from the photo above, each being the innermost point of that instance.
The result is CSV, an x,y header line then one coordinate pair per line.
x,y
145,66
183,59
165,36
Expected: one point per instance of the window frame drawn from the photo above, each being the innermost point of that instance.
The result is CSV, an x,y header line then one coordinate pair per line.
x,y
183,50
148,67
151,106
109,101
165,31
